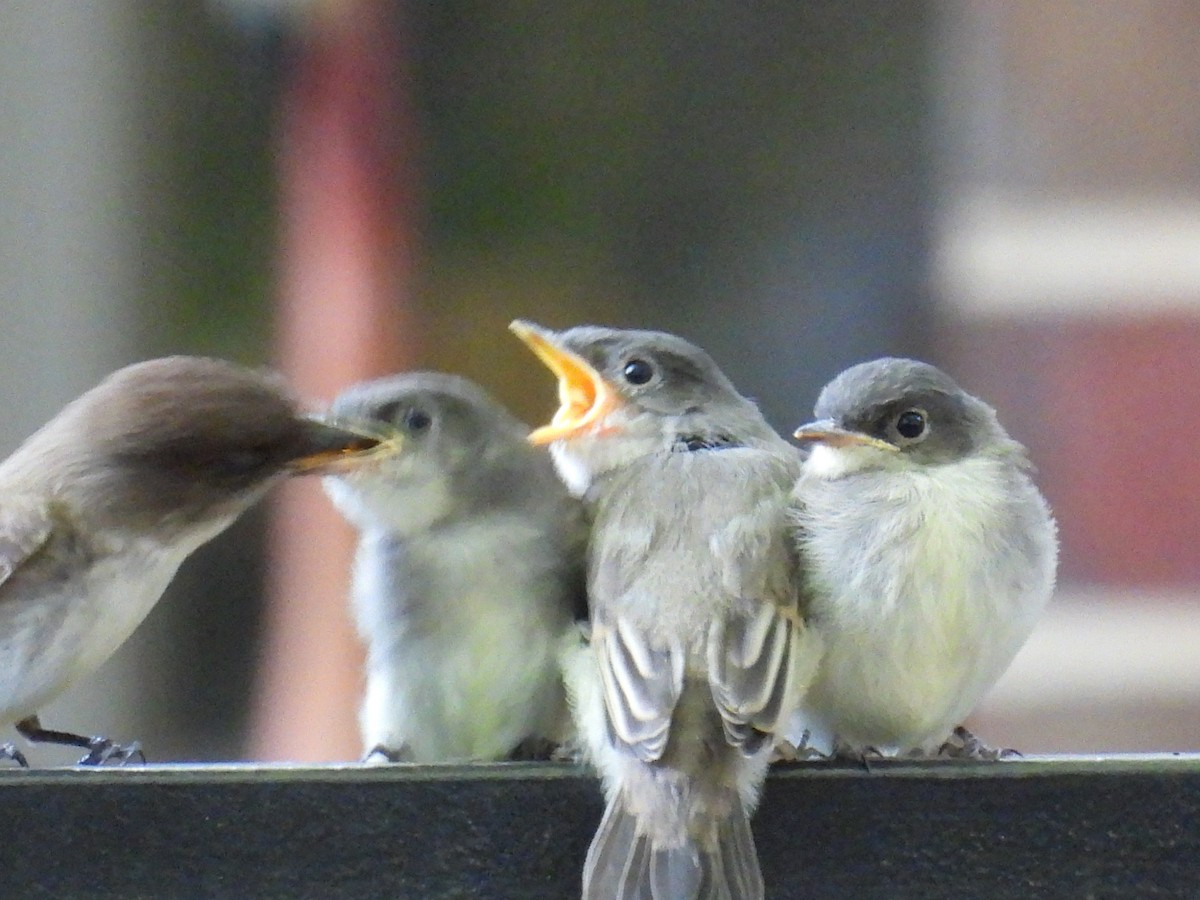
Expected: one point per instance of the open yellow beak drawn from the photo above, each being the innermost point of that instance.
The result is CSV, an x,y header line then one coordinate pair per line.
x,y
329,446
583,396
832,435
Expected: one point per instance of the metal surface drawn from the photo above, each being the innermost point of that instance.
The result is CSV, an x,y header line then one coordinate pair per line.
x,y
1050,827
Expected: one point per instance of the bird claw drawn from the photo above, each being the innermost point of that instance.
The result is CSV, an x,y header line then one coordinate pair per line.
x,y
863,756
964,745
866,755
570,752
10,751
102,751
534,749
786,751
379,754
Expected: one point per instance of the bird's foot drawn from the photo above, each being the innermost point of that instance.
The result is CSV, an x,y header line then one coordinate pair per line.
x,y
534,749
962,744
864,756
786,751
379,754
10,751
102,752
569,752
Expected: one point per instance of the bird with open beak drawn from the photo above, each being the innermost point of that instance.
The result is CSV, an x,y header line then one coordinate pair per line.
x,y
928,552
102,504
699,648
468,579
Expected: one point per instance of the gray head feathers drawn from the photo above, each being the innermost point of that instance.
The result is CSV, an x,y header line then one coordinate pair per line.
x,y
402,402
915,407
881,382
460,452
669,378
605,347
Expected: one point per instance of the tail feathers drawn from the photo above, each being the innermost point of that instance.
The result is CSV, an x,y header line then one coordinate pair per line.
x,y
617,859
737,858
623,864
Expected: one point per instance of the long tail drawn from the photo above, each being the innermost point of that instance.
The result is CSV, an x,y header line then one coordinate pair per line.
x,y
623,863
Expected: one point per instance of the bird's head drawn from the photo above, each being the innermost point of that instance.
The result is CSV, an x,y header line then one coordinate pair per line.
x,y
893,414
449,449
183,440
624,394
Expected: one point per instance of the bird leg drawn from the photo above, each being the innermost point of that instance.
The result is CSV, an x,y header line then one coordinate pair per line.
x,y
10,751
964,745
101,750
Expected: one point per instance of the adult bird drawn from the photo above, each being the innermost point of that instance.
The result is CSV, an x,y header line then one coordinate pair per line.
x,y
101,505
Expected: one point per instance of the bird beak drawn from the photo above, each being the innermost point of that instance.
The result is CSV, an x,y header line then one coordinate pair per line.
x,y
325,446
827,432
584,397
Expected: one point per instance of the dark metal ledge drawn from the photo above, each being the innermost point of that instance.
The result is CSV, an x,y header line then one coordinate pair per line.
x,y
1040,827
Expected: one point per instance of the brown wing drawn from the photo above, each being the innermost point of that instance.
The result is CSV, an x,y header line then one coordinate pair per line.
x,y
24,530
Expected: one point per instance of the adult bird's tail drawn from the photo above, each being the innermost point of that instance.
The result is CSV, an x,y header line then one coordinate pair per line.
x,y
624,863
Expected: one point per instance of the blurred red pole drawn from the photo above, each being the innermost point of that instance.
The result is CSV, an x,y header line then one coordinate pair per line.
x,y
347,242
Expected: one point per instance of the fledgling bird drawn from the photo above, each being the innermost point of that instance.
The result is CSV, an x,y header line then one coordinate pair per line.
x,y
101,505
928,551
699,648
468,577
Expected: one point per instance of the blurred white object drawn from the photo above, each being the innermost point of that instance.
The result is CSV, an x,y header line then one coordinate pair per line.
x,y
1103,671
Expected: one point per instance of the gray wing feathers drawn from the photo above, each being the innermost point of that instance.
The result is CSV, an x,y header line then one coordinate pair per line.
x,y
642,684
753,666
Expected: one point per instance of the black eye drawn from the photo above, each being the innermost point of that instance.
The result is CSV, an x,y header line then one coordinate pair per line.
x,y
638,371
911,424
417,420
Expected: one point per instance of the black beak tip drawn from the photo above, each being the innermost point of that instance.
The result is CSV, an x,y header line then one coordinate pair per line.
x,y
322,444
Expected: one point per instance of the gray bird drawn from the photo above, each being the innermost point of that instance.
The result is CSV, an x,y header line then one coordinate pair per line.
x,y
699,650
102,504
468,577
929,555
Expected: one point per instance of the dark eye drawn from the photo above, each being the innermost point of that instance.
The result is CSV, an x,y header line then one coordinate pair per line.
x,y
638,371
911,424
417,420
